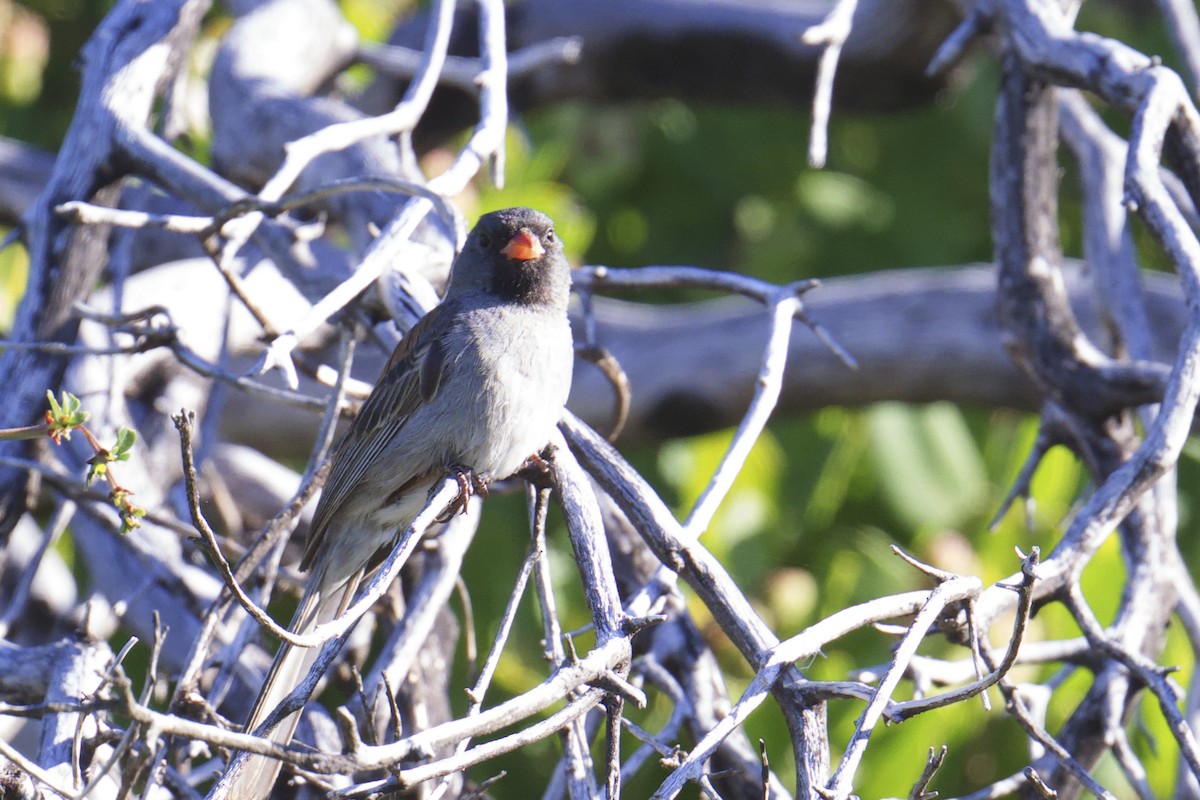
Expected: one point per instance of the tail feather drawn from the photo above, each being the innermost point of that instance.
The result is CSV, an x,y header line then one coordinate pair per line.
x,y
257,775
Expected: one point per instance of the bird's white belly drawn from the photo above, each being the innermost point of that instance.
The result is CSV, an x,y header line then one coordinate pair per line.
x,y
527,405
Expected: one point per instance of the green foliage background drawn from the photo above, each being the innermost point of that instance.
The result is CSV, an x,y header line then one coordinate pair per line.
x,y
808,527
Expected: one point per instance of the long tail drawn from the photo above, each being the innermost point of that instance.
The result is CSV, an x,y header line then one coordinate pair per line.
x,y
256,777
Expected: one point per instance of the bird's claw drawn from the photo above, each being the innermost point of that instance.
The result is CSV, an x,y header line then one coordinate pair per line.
x,y
536,469
469,485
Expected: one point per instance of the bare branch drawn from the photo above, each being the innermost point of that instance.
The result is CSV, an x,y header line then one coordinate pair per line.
x,y
831,34
920,790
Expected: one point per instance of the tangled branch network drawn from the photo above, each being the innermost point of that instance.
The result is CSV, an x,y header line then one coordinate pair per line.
x,y
346,244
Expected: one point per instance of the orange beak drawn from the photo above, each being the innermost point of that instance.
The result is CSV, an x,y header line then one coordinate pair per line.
x,y
523,247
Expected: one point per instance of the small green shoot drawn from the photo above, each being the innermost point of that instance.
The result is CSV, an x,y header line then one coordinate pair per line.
x,y
63,416
66,415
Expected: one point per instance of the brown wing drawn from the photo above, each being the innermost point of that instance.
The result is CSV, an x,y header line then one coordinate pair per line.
x,y
409,380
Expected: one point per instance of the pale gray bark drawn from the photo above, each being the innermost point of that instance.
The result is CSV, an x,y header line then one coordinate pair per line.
x,y
1031,340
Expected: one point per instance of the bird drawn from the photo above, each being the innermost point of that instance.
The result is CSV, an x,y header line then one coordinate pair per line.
x,y
473,390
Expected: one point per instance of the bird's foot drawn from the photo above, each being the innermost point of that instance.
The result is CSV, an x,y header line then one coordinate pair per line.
x,y
469,485
536,469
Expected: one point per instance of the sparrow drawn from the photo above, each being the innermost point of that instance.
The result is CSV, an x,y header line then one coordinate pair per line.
x,y
474,389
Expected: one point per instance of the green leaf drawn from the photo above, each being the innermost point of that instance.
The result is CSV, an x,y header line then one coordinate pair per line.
x,y
841,201
55,408
126,438
929,466
131,515
66,413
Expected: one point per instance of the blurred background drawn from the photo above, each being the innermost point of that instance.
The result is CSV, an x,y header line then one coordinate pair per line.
x,y
808,527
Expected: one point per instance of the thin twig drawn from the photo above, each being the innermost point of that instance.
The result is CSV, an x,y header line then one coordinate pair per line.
x,y
412,776
462,72
952,590
766,395
664,681
339,136
33,770
933,763
1131,765
613,705
1046,439
476,693
899,712
20,595
832,33
439,500
486,141
1148,672
977,21
302,152
805,645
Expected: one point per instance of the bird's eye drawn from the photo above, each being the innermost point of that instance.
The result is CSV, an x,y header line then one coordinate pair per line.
x,y
485,241
550,236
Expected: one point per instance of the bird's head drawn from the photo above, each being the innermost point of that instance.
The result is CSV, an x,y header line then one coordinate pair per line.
x,y
514,254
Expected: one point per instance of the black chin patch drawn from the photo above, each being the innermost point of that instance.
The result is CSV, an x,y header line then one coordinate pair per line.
x,y
527,282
